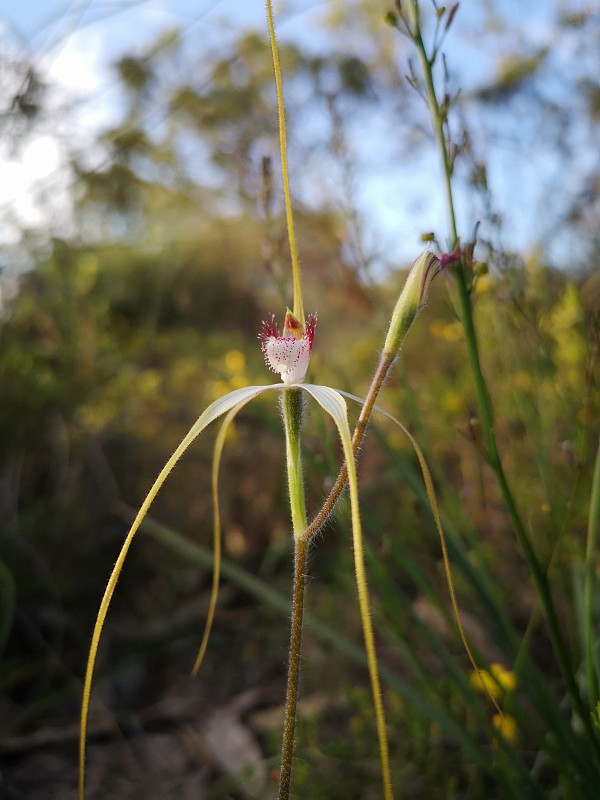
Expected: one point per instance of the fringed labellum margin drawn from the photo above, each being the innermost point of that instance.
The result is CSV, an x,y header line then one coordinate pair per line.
x,y
288,355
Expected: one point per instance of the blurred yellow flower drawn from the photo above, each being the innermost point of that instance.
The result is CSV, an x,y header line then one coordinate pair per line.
x,y
483,284
237,382
453,331
235,361
495,682
522,380
148,382
452,400
450,331
436,328
506,726
567,313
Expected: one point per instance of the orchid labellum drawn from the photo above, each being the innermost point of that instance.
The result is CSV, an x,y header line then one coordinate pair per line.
x,y
288,355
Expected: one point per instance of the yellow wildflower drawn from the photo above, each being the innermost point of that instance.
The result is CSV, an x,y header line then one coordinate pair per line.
x,y
495,682
506,726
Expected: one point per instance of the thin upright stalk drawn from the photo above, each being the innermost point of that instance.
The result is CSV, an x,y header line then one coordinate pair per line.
x,y
385,362
484,402
298,305
291,697
292,419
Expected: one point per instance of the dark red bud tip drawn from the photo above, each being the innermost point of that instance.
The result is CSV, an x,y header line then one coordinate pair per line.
x,y
291,323
447,259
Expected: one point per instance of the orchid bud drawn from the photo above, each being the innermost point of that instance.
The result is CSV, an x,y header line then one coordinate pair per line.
x,y
292,327
412,299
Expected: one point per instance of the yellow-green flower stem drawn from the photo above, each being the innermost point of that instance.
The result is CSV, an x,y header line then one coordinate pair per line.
x,y
411,300
369,640
292,405
385,362
334,404
486,411
297,283
292,412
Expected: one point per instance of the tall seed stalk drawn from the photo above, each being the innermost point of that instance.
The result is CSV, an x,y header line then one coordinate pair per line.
x,y
412,28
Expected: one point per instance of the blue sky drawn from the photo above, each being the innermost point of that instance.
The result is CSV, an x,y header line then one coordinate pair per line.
x,y
76,42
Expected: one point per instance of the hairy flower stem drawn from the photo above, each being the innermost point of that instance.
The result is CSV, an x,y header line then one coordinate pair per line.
x,y
292,419
385,362
291,697
484,402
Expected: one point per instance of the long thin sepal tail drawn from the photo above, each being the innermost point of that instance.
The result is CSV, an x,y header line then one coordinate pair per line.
x,y
221,406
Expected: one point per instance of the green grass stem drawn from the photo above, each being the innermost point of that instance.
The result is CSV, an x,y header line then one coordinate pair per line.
x,y
484,402
590,631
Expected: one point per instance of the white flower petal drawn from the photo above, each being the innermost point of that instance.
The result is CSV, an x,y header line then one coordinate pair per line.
x,y
288,357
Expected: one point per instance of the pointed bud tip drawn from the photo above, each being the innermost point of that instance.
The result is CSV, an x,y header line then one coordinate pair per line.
x,y
448,259
412,299
292,326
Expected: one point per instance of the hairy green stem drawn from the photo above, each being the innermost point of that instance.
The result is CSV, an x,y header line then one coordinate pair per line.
x,y
385,362
292,404
291,697
483,398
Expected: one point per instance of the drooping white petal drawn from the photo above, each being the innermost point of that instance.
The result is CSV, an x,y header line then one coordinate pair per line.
x,y
288,357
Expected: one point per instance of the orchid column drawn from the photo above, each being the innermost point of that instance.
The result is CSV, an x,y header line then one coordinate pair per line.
x,y
288,355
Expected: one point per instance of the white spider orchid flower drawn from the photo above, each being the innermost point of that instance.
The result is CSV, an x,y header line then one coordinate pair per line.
x,y
288,355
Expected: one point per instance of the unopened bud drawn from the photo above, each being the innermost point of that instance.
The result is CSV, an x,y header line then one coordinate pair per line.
x,y
292,327
412,299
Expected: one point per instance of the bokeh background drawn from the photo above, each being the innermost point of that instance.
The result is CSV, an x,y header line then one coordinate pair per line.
x,y
143,242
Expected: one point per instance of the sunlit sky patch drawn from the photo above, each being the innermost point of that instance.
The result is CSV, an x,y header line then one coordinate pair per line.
x,y
76,43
